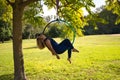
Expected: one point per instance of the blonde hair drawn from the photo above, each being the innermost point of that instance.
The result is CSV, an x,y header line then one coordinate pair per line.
x,y
40,44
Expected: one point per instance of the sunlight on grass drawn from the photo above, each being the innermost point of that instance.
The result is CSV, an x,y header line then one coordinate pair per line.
x,y
99,59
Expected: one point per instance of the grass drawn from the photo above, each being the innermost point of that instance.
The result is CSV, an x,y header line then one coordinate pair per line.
x,y
99,59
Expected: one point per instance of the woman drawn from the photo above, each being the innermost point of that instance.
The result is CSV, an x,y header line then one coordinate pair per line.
x,y
54,47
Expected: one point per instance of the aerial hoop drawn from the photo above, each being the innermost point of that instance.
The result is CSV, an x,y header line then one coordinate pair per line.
x,y
66,23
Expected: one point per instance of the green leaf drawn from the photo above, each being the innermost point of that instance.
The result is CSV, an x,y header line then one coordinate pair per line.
x,y
117,20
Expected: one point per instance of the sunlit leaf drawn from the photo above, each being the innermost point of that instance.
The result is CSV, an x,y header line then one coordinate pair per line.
x,y
117,20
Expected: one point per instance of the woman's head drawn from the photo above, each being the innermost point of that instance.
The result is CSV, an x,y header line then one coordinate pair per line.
x,y
40,43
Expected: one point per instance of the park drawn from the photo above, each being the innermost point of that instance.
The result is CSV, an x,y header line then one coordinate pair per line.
x,y
94,38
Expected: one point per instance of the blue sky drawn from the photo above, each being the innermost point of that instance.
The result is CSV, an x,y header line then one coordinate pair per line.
x,y
98,3
52,11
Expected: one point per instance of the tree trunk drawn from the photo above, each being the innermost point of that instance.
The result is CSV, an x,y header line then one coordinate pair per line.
x,y
19,73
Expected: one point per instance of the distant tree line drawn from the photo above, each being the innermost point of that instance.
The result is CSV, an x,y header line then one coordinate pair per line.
x,y
107,27
103,22
5,31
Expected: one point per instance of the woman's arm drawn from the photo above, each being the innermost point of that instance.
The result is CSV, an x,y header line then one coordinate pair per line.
x,y
49,46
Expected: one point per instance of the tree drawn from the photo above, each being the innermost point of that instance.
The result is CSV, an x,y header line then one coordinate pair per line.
x,y
5,31
27,32
110,27
18,7
105,25
5,21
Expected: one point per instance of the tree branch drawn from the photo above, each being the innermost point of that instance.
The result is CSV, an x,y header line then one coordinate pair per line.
x,y
11,3
53,2
67,2
27,2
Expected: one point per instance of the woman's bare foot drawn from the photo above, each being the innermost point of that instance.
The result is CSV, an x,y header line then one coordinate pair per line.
x,y
69,60
57,56
75,50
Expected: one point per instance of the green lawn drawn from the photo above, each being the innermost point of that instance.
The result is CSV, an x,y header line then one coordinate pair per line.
x,y
98,59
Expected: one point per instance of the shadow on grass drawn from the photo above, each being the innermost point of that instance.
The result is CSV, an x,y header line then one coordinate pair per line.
x,y
115,68
6,77
31,47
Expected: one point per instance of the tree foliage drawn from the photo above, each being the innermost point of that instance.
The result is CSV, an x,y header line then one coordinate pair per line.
x,y
5,11
30,13
33,23
71,11
107,26
114,6
5,21
5,31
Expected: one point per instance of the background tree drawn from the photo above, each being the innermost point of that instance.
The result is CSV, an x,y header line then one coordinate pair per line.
x,y
111,27
114,6
5,31
5,21
105,22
